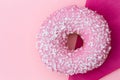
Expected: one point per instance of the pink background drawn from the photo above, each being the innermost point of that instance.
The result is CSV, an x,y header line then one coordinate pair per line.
x,y
19,23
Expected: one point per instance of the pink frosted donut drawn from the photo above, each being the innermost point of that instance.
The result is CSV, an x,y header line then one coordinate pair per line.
x,y
52,39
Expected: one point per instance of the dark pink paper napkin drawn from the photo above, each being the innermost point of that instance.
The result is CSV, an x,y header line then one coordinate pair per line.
x,y
110,9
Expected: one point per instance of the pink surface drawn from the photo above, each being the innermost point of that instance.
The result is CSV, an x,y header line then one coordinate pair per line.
x,y
110,9
19,23
115,75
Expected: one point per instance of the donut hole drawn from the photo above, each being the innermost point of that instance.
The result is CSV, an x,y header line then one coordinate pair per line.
x,y
74,41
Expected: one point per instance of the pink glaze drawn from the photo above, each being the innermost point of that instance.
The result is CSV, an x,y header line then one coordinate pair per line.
x,y
52,40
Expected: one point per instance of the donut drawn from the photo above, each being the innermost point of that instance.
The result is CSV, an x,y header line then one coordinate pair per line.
x,y
89,25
